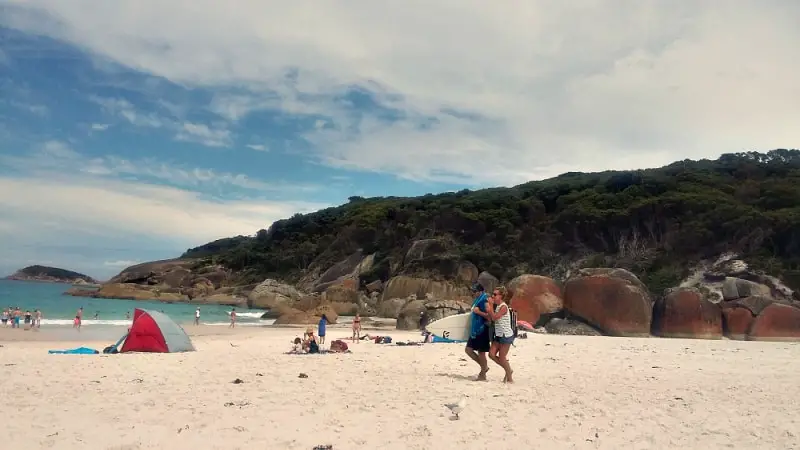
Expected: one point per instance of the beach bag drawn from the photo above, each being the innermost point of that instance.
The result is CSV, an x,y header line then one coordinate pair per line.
x,y
338,346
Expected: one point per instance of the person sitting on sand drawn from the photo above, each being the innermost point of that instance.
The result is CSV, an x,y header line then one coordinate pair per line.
x,y
503,332
356,328
311,345
297,347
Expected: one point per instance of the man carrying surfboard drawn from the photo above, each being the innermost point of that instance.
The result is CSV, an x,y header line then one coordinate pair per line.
x,y
479,339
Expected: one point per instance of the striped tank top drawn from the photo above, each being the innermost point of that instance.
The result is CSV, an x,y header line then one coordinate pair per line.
x,y
502,327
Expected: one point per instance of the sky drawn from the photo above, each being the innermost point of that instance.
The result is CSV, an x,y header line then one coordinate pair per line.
x,y
131,130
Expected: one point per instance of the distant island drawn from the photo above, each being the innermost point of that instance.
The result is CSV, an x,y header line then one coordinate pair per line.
x,y
50,274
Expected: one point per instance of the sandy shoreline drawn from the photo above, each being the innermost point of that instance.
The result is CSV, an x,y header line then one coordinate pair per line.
x,y
571,392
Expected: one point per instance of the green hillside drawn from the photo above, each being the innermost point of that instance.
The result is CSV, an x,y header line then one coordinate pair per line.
x,y
655,222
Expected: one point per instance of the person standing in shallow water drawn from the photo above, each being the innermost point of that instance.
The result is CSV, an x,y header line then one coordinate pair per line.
x,y
78,319
233,318
197,316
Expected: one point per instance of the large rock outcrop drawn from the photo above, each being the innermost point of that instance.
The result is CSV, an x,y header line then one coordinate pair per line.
x,y
571,327
318,278
272,293
686,313
612,300
534,296
169,272
729,278
488,281
776,322
294,316
409,316
437,259
736,321
404,286
128,291
733,288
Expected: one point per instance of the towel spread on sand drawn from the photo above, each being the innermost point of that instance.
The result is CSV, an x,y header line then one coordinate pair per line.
x,y
75,351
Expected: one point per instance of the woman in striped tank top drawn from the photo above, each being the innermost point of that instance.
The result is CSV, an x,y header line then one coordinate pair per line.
x,y
503,333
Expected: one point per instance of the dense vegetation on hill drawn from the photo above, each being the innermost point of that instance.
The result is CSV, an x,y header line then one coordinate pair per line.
x,y
655,222
50,272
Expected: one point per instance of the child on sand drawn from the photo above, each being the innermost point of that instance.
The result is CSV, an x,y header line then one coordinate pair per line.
x,y
297,347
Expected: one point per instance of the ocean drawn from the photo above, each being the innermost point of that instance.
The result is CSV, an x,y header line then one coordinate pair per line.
x,y
58,310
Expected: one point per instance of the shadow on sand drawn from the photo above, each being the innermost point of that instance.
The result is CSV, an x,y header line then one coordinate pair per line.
x,y
456,376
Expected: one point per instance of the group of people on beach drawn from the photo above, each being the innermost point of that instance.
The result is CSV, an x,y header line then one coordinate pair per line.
x,y
12,317
311,343
491,331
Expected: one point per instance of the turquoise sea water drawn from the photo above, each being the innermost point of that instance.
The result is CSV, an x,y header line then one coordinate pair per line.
x,y
59,310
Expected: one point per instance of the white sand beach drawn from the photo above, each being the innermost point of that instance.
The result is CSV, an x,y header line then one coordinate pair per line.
x,y
570,392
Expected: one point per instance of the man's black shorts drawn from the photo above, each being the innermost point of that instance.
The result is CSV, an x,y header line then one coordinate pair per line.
x,y
481,342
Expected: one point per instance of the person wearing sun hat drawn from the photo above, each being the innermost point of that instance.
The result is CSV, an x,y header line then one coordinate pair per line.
x,y
479,339
310,343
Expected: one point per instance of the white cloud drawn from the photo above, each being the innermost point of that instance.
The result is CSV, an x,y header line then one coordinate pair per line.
x,y
120,263
39,110
490,92
126,110
99,126
184,131
56,150
113,207
202,134
258,147
55,157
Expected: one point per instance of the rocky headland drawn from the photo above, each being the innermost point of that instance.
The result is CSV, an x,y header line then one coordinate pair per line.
x,y
50,275
697,249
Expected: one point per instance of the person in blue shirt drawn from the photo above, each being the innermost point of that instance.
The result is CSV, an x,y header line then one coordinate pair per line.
x,y
479,340
323,322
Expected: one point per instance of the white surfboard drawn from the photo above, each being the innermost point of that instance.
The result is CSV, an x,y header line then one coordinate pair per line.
x,y
455,327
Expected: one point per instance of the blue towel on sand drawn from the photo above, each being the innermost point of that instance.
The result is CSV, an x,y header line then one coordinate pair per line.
x,y
75,351
437,339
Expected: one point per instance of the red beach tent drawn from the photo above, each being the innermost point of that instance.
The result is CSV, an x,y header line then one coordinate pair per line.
x,y
155,332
